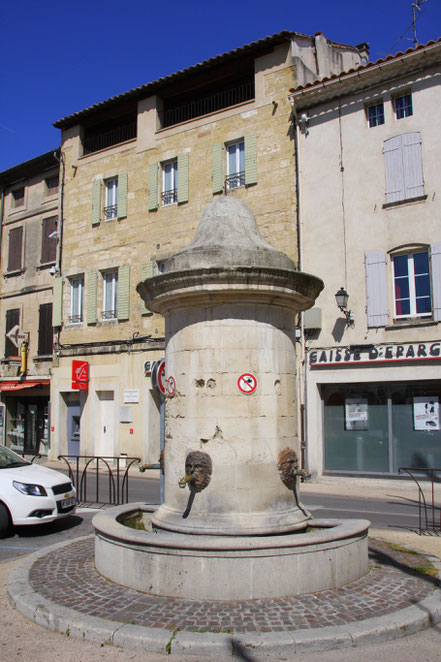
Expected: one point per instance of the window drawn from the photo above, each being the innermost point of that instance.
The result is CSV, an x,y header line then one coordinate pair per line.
x,y
110,295
403,105
411,276
111,199
12,319
375,114
18,197
15,251
170,182
45,332
235,165
49,238
51,185
76,300
404,167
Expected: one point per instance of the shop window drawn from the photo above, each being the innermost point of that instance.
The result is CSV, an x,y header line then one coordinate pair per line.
x,y
49,239
403,105
411,277
45,330
375,114
404,168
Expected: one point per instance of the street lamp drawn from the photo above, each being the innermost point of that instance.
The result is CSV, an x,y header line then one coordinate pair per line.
x,y
341,298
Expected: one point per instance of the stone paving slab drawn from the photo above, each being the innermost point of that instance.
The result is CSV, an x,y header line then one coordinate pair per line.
x,y
64,591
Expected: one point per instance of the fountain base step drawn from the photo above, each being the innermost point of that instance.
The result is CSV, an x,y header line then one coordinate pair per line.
x,y
329,554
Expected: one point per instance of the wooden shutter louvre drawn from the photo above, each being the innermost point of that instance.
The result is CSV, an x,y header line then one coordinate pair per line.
x,y
376,289
412,165
250,145
45,332
92,287
15,251
217,168
153,186
96,201
122,195
393,162
182,178
48,244
147,271
57,313
435,268
124,292
12,319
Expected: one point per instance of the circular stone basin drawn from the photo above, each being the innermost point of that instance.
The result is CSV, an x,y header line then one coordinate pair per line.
x,y
330,553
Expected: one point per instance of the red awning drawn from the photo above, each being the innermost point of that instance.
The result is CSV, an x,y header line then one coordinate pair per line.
x,y
18,386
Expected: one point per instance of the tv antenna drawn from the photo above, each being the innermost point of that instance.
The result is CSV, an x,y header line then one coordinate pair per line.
x,y
417,11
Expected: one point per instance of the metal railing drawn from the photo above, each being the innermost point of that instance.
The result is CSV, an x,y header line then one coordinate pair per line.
x,y
169,197
115,479
429,511
100,140
111,211
235,180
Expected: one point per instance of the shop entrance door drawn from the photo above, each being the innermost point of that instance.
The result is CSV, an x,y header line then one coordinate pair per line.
x,y
105,444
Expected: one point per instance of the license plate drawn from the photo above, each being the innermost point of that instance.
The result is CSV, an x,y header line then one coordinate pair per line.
x,y
66,503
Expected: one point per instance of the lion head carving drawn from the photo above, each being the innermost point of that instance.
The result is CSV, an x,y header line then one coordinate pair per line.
x,y
198,465
288,463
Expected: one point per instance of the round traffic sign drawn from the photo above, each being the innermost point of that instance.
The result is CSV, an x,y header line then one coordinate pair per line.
x,y
171,386
247,383
161,376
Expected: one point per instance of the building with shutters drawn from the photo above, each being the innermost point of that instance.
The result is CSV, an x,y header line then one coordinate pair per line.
x,y
368,164
29,216
138,170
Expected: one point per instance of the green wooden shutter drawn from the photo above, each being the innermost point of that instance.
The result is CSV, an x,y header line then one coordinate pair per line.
x,y
217,169
124,292
57,313
250,160
122,195
96,201
183,178
92,285
153,186
147,271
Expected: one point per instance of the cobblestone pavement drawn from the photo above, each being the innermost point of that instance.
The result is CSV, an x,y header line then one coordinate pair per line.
x,y
68,577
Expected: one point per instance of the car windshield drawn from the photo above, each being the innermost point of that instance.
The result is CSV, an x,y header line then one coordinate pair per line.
x,y
10,459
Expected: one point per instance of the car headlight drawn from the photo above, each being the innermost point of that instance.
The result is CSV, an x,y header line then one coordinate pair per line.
x,y
31,490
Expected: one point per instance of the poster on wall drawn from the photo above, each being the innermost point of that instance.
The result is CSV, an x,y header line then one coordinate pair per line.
x,y
356,414
425,412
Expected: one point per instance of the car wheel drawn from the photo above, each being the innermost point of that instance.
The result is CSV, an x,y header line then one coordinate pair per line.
x,y
4,521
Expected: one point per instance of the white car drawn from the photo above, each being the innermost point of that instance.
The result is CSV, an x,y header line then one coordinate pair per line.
x,y
31,493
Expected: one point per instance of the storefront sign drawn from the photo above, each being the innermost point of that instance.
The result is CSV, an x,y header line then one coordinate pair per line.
x,y
80,375
426,412
375,354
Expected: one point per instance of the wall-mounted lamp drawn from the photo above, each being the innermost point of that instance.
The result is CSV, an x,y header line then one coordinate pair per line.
x,y
341,298
303,123
54,270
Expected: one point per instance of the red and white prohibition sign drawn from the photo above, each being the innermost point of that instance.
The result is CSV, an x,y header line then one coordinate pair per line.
x,y
171,386
247,383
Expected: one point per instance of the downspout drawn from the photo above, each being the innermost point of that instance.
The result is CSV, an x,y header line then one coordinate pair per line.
x,y
302,367
60,224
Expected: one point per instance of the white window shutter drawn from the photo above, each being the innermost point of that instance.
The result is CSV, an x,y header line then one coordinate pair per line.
x,y
376,288
182,178
412,165
57,314
124,292
393,161
153,186
122,195
435,265
250,159
96,201
92,287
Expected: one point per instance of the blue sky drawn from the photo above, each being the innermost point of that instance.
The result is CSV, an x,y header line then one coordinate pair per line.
x,y
60,57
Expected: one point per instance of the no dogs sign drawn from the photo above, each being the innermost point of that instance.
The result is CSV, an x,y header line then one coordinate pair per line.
x,y
247,383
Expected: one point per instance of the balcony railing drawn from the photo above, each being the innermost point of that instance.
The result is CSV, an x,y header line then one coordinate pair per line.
x,y
235,180
111,211
95,141
175,113
169,197
109,314
75,319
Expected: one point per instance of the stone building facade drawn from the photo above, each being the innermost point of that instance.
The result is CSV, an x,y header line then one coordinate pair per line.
x,y
138,170
369,185
29,251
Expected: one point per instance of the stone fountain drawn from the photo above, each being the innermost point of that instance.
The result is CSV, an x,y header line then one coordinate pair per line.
x,y
232,525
